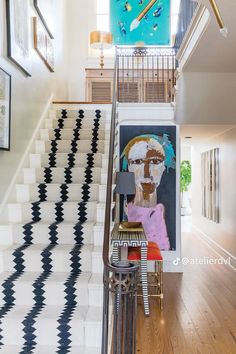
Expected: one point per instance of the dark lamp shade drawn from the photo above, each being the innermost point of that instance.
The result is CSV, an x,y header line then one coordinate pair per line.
x,y
125,183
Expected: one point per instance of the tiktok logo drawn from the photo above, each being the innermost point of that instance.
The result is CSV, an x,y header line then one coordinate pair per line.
x,y
176,261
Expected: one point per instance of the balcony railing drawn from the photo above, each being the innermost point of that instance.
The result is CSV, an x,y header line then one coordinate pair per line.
x,y
187,10
145,74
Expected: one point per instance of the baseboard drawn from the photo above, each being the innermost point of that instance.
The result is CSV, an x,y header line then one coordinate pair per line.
x,y
25,156
216,248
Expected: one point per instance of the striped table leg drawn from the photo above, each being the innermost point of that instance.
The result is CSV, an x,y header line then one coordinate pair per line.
x,y
115,254
144,279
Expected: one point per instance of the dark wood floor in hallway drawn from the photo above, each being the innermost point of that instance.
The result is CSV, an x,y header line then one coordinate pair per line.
x,y
199,313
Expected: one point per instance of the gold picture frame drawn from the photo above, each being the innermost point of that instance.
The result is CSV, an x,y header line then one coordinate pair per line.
x,y
43,44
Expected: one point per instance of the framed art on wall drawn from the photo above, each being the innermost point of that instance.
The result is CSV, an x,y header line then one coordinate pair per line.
x,y
43,44
210,185
146,22
5,109
18,34
45,10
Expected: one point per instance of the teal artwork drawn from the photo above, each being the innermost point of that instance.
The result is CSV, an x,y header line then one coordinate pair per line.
x,y
135,21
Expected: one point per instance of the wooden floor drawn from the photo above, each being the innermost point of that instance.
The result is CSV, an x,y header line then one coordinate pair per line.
x,y
199,313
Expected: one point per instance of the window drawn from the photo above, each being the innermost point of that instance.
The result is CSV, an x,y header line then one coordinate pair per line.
x,y
103,20
174,16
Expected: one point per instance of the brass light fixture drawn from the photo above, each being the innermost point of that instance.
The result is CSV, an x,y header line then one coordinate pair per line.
x,y
223,29
101,40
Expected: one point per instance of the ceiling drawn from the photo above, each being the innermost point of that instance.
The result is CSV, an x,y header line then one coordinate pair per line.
x,y
200,133
214,53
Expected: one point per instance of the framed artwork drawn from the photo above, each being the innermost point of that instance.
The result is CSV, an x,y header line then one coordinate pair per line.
x,y
18,34
5,109
45,10
150,152
43,44
145,21
210,185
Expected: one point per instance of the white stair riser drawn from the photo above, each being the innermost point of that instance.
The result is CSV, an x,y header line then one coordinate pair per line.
x,y
97,262
66,234
68,134
85,115
58,175
60,261
84,146
24,296
19,213
61,160
86,294
96,331
95,295
44,327
71,124
26,193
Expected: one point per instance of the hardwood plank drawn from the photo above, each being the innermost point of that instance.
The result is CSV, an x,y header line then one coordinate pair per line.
x,y
199,313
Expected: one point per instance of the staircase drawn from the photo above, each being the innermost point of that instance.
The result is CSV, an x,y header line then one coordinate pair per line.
x,y
51,288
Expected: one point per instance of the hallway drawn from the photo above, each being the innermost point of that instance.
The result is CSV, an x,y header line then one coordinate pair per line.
x,y
199,308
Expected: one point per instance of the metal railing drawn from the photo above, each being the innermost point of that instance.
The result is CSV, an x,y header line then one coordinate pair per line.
x,y
145,74
120,279
187,10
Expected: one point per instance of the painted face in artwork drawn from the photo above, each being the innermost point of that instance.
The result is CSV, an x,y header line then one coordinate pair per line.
x,y
147,160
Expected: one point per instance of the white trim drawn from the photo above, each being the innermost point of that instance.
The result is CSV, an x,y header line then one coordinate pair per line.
x,y
193,35
23,160
215,247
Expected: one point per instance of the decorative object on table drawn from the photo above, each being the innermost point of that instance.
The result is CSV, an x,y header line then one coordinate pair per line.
x,y
140,21
18,33
125,185
127,226
46,10
185,181
43,44
210,185
101,40
5,109
219,19
150,153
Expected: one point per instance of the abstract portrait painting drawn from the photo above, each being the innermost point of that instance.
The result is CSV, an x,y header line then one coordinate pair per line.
x,y
150,152
145,21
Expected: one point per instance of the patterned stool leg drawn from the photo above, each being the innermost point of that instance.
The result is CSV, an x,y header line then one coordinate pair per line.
x,y
160,271
144,280
115,254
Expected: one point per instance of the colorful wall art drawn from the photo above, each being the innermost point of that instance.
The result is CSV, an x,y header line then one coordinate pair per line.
x,y
140,21
210,185
150,152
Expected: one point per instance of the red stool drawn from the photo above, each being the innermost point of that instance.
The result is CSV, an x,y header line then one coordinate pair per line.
x,y
153,254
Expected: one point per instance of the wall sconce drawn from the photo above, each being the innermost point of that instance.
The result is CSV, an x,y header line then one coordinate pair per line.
x,y
223,29
101,40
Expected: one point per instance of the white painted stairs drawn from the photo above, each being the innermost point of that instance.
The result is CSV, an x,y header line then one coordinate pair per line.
x,y
51,289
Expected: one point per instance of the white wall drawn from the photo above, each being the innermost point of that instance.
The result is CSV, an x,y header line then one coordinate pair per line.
x,y
30,95
82,21
224,233
201,97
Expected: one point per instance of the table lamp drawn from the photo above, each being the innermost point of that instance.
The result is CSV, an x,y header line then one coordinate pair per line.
x,y
101,40
125,185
